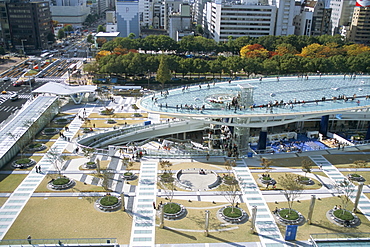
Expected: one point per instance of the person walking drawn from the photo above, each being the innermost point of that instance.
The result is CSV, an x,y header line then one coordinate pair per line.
x,y
29,239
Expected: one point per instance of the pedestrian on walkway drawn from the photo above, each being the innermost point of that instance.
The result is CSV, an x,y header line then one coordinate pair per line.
x,y
154,205
29,239
39,168
320,166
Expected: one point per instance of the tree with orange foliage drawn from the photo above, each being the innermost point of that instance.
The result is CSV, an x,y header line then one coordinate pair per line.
x,y
254,51
101,54
315,51
285,48
356,49
120,51
101,41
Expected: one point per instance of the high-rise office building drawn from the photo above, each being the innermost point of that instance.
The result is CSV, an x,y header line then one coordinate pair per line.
x,y
127,14
359,31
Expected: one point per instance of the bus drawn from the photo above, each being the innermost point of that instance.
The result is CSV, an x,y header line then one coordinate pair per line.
x,y
72,67
45,55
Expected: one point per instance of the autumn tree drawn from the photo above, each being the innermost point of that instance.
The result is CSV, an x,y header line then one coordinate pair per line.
x,y
254,51
306,166
266,164
345,190
284,48
101,41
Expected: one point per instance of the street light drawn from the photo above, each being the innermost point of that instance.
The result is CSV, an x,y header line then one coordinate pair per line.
x,y
148,78
22,40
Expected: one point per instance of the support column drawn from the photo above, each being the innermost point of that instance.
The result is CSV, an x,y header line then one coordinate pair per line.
x,y
206,225
358,195
262,139
184,135
367,137
310,210
161,217
253,219
324,123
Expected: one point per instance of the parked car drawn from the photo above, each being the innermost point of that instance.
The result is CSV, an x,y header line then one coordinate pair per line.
x,y
6,78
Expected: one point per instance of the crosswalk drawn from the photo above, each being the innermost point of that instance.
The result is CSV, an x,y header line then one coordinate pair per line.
x,y
124,105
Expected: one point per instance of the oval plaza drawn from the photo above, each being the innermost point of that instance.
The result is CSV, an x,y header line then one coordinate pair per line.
x,y
273,115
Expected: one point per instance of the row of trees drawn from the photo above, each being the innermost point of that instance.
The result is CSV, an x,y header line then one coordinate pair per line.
x,y
201,44
130,63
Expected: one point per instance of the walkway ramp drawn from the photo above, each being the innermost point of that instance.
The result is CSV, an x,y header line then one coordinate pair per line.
x,y
266,226
144,214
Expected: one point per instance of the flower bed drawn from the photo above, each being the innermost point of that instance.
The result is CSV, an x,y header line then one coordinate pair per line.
x,y
173,211
90,165
111,121
87,130
305,180
128,175
107,111
289,217
356,177
62,120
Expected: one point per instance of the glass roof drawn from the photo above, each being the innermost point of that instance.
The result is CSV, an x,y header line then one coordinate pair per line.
x,y
214,98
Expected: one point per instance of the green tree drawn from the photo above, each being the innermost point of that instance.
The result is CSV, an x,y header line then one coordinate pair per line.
x,y
201,66
215,66
2,50
61,33
131,36
199,29
50,37
163,72
100,28
90,38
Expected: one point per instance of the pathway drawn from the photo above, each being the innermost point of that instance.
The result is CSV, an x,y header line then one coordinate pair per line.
x,y
18,199
266,227
144,215
336,176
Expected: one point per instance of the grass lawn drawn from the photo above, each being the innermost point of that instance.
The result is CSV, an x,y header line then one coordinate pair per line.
x,y
288,162
276,175
69,218
346,160
3,200
79,187
194,220
320,224
8,183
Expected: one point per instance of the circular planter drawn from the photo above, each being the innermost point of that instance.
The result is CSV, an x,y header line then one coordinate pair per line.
x,y
348,219
237,217
111,121
61,183
136,115
37,147
90,165
266,180
50,131
108,203
296,218
305,181
128,176
62,120
23,163
356,177
176,212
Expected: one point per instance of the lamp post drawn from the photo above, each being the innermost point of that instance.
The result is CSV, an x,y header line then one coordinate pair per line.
x,y
148,78
69,76
22,40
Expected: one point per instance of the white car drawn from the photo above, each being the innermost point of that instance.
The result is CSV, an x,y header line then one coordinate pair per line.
x,y
14,97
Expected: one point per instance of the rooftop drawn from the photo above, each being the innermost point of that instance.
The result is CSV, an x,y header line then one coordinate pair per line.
x,y
214,98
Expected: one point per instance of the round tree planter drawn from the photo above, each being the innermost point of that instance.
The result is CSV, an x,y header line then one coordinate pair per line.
x,y
233,220
110,207
264,180
62,183
90,165
283,221
111,121
181,213
23,163
87,130
355,221
356,177
306,181
62,121
107,112
37,147
50,131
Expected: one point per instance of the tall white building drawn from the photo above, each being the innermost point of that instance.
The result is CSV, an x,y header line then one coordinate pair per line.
x,y
245,19
285,15
341,15
180,23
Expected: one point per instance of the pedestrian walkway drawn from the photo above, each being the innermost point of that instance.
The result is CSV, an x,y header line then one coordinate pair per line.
x,y
336,176
19,198
265,226
143,224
